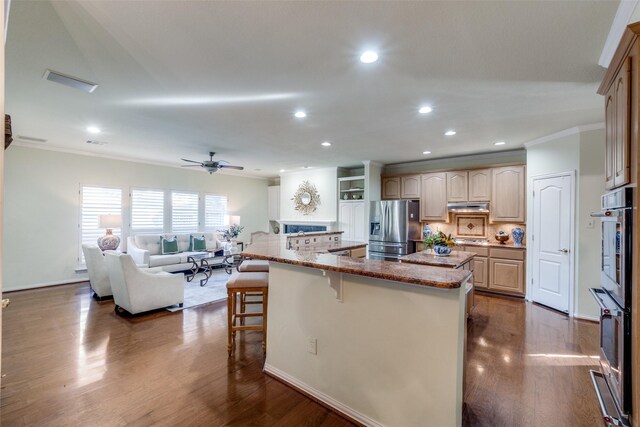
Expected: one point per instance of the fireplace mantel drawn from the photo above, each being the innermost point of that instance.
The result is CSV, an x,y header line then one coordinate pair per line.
x,y
329,224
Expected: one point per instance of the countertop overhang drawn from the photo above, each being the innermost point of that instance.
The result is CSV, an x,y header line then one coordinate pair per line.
x,y
320,257
455,260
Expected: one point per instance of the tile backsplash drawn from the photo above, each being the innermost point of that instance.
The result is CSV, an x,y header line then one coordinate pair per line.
x,y
474,226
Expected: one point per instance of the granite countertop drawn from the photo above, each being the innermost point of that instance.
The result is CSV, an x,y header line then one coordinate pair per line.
x,y
320,257
489,244
454,260
313,233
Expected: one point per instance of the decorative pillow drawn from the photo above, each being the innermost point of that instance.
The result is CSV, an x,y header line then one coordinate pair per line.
x,y
197,243
169,246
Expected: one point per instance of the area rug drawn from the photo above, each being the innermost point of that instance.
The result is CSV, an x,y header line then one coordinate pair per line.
x,y
214,290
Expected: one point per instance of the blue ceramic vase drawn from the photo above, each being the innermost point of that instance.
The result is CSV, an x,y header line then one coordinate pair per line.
x,y
442,250
518,235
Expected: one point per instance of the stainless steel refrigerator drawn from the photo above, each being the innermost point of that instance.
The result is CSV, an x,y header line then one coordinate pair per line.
x,y
394,227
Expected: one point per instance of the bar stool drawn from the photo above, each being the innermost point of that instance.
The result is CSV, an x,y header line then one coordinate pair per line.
x,y
254,282
251,266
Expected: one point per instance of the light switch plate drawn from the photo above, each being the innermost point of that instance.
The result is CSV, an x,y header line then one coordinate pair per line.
x,y
312,345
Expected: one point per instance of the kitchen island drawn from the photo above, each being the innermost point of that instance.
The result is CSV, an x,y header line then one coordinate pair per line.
x,y
381,342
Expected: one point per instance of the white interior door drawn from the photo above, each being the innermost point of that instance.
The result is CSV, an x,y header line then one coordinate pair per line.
x,y
552,233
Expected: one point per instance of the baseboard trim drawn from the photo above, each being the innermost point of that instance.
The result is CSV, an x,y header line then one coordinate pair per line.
x,y
586,317
320,397
44,285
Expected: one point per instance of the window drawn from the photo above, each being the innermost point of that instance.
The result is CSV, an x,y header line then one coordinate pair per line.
x,y
215,209
96,201
184,211
147,211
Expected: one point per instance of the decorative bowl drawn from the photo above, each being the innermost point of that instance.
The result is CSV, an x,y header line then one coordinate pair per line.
x,y
442,250
502,237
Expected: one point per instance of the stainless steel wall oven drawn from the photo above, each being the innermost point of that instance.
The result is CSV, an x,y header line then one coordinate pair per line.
x,y
613,382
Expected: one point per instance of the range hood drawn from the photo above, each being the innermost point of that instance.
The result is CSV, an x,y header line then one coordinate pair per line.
x,y
468,207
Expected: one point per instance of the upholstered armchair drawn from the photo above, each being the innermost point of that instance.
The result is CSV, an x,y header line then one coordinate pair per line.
x,y
97,270
138,290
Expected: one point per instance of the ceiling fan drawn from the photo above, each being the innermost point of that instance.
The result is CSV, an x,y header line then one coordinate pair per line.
x,y
212,166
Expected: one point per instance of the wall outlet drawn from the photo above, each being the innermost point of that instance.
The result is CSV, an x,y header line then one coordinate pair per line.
x,y
312,345
590,223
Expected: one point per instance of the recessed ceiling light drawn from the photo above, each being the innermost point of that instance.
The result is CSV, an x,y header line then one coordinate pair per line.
x,y
326,144
426,152
500,143
281,170
306,167
425,110
93,129
450,133
369,56
300,114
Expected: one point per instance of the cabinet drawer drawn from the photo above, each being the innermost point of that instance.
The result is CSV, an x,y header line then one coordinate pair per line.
x,y
359,252
478,250
507,253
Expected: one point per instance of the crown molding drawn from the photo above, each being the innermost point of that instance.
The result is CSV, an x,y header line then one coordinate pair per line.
x,y
42,146
563,133
619,24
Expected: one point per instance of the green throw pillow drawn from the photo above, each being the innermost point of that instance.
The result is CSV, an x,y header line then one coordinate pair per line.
x,y
169,246
197,243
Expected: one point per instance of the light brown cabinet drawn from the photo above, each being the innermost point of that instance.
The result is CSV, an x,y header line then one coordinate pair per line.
x,y
391,188
410,187
401,187
480,270
480,185
433,197
617,123
508,194
506,275
457,186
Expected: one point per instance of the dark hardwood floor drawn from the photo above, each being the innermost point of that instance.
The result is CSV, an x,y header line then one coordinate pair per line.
x,y
70,360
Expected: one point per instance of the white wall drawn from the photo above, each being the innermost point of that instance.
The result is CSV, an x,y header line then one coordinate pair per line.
x,y
326,182
582,152
41,210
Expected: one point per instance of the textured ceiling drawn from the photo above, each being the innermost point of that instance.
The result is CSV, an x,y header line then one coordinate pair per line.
x,y
180,79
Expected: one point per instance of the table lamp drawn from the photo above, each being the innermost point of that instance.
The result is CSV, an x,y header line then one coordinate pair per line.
x,y
109,242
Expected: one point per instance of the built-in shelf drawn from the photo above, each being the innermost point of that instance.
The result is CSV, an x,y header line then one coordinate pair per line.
x,y
352,190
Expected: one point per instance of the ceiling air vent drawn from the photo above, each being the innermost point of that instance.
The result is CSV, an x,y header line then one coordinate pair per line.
x,y
30,139
74,82
94,142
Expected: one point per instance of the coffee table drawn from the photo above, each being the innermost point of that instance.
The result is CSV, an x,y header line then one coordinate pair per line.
x,y
203,263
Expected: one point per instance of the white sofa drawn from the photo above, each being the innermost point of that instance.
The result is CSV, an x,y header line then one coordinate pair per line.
x,y
137,290
145,250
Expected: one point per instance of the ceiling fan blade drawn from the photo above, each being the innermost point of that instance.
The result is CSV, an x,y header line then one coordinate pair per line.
x,y
223,162
231,167
192,161
191,166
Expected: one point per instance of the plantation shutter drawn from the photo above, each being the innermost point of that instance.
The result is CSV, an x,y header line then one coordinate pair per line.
x,y
147,211
96,201
215,209
184,211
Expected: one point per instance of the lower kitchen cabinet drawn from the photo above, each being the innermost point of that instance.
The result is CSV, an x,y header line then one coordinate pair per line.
x,y
506,275
480,270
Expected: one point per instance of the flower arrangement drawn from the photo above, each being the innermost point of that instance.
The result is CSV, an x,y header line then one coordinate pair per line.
x,y
438,239
232,232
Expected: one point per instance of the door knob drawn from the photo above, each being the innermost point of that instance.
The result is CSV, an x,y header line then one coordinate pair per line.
x,y
564,251
6,302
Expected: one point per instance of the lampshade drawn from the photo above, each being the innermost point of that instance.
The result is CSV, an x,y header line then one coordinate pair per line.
x,y
110,221
234,220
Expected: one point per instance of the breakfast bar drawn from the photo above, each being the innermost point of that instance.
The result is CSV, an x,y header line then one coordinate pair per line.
x,y
380,342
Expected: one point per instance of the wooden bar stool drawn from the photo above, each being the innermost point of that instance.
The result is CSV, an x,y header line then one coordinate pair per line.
x,y
255,282
251,266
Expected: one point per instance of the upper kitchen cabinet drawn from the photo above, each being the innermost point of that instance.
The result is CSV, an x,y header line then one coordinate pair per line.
x,y
619,88
410,187
480,185
391,188
433,200
401,187
508,194
457,186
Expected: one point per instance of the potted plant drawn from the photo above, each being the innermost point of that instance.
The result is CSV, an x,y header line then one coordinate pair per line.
x,y
442,244
232,232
